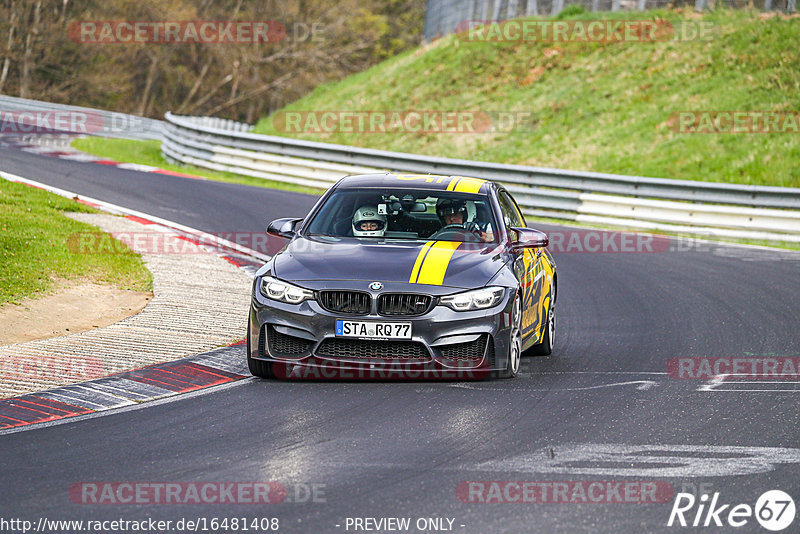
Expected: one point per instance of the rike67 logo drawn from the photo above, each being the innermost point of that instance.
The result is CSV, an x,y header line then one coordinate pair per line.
x,y
774,510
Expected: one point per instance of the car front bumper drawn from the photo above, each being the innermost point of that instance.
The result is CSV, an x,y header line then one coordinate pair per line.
x,y
301,338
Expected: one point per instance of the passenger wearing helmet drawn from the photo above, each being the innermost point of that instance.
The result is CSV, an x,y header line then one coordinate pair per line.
x,y
367,222
453,212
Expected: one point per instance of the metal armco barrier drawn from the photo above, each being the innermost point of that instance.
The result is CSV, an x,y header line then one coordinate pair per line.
x,y
75,120
716,209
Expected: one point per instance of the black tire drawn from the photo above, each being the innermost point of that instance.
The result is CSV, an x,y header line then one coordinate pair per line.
x,y
514,357
258,368
545,348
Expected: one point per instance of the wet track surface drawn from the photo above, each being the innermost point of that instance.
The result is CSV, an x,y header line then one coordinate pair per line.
x,y
603,408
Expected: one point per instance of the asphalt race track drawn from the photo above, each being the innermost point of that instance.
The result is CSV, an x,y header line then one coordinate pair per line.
x,y
603,408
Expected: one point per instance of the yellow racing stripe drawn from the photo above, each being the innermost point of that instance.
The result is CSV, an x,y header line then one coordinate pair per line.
x,y
435,263
469,185
417,264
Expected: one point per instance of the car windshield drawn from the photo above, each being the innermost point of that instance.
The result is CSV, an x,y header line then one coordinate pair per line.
x,y
405,214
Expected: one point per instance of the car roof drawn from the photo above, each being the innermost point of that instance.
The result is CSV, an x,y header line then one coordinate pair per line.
x,y
434,182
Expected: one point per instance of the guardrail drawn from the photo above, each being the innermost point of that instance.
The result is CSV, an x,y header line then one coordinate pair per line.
x,y
685,206
25,116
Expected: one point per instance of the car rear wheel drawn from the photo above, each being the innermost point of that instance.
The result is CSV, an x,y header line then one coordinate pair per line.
x,y
549,337
258,368
515,341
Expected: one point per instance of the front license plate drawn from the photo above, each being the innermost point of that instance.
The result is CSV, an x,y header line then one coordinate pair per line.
x,y
370,329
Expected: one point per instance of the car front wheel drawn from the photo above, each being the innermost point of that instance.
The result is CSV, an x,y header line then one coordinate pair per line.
x,y
258,368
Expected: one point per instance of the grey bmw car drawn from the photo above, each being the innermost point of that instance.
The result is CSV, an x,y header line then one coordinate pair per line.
x,y
404,276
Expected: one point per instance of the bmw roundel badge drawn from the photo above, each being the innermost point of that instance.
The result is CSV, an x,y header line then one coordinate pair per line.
x,y
376,286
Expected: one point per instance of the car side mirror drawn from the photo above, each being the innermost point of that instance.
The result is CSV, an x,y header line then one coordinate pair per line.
x,y
529,238
283,227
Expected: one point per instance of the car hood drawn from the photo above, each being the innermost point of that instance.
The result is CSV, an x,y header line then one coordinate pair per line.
x,y
440,263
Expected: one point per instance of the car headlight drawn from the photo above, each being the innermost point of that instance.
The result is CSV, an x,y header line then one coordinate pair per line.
x,y
275,289
476,299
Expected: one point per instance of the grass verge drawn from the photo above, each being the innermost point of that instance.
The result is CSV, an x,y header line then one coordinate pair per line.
x,y
34,247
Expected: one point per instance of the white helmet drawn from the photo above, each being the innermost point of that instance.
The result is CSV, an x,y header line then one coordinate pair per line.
x,y
363,217
367,222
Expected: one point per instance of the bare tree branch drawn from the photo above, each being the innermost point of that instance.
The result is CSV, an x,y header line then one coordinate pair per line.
x,y
208,95
195,87
151,76
251,94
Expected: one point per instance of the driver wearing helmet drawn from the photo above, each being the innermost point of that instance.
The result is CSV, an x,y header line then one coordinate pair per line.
x,y
367,222
453,212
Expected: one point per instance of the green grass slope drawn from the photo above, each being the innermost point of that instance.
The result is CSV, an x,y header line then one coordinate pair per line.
x,y
38,243
594,106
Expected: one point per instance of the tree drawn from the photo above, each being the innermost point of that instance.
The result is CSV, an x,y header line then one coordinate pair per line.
x,y
44,57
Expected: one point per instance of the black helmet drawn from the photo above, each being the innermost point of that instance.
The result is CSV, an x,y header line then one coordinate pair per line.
x,y
447,206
